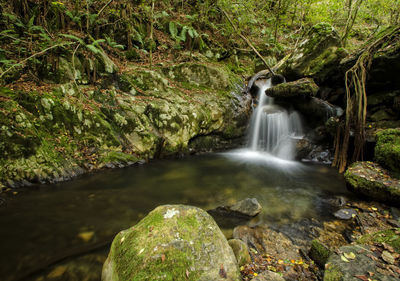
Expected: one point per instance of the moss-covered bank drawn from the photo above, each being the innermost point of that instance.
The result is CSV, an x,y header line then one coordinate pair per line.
x,y
141,114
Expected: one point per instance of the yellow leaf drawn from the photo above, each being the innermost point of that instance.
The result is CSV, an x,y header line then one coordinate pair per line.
x,y
344,259
255,274
350,256
280,261
242,268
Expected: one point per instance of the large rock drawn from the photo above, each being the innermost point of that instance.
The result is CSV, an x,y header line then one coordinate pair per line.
x,y
267,241
354,263
317,56
387,149
173,242
373,257
303,88
371,180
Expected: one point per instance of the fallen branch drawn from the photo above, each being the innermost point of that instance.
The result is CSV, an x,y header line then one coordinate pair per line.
x,y
247,41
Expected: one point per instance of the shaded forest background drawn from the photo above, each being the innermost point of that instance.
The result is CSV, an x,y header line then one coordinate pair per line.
x,y
35,33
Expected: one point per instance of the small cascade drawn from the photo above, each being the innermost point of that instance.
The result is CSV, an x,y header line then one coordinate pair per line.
x,y
273,129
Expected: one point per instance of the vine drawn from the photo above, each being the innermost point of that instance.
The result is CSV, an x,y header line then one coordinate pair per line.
x,y
356,102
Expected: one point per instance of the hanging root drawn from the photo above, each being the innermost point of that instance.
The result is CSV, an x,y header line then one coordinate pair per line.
x,y
356,105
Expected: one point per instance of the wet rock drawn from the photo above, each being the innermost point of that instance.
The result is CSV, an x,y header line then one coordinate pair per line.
x,y
172,242
248,206
264,240
239,213
268,276
387,149
371,180
300,89
319,253
241,251
345,214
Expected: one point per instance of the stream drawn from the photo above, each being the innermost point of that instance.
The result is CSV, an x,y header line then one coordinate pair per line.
x,y
43,224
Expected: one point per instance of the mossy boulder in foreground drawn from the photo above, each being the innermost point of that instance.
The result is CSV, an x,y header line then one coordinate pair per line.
x,y
387,149
173,242
371,180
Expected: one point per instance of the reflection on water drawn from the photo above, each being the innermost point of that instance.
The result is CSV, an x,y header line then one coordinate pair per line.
x,y
41,224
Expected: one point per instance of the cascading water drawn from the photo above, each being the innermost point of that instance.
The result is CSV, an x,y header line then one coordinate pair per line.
x,y
273,129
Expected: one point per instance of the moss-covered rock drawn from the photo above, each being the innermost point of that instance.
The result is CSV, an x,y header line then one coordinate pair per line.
x,y
387,149
319,252
371,180
317,55
302,88
173,242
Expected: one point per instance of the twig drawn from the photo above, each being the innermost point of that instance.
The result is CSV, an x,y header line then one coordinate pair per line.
x,y
35,55
105,6
247,41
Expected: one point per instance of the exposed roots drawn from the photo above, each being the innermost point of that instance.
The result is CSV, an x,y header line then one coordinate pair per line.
x,y
356,107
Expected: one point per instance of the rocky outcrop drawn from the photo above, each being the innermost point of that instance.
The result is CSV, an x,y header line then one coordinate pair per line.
x,y
173,242
387,149
371,180
140,114
317,56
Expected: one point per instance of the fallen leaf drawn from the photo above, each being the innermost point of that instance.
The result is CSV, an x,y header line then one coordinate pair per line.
x,y
187,273
362,277
350,256
163,258
343,258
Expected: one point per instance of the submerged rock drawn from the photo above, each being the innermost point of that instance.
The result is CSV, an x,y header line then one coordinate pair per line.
x,y
345,214
173,242
239,213
371,180
387,149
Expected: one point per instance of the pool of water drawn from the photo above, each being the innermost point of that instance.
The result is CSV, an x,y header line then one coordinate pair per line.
x,y
40,224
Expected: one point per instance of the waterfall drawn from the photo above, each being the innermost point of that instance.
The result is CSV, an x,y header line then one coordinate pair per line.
x,y
273,129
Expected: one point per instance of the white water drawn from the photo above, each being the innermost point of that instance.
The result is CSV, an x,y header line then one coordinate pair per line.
x,y
273,129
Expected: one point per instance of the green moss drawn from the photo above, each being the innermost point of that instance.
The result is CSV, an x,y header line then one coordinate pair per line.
x,y
319,252
388,236
371,180
332,273
387,149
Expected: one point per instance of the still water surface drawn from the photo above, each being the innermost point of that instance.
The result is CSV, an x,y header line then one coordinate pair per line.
x,y
41,224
